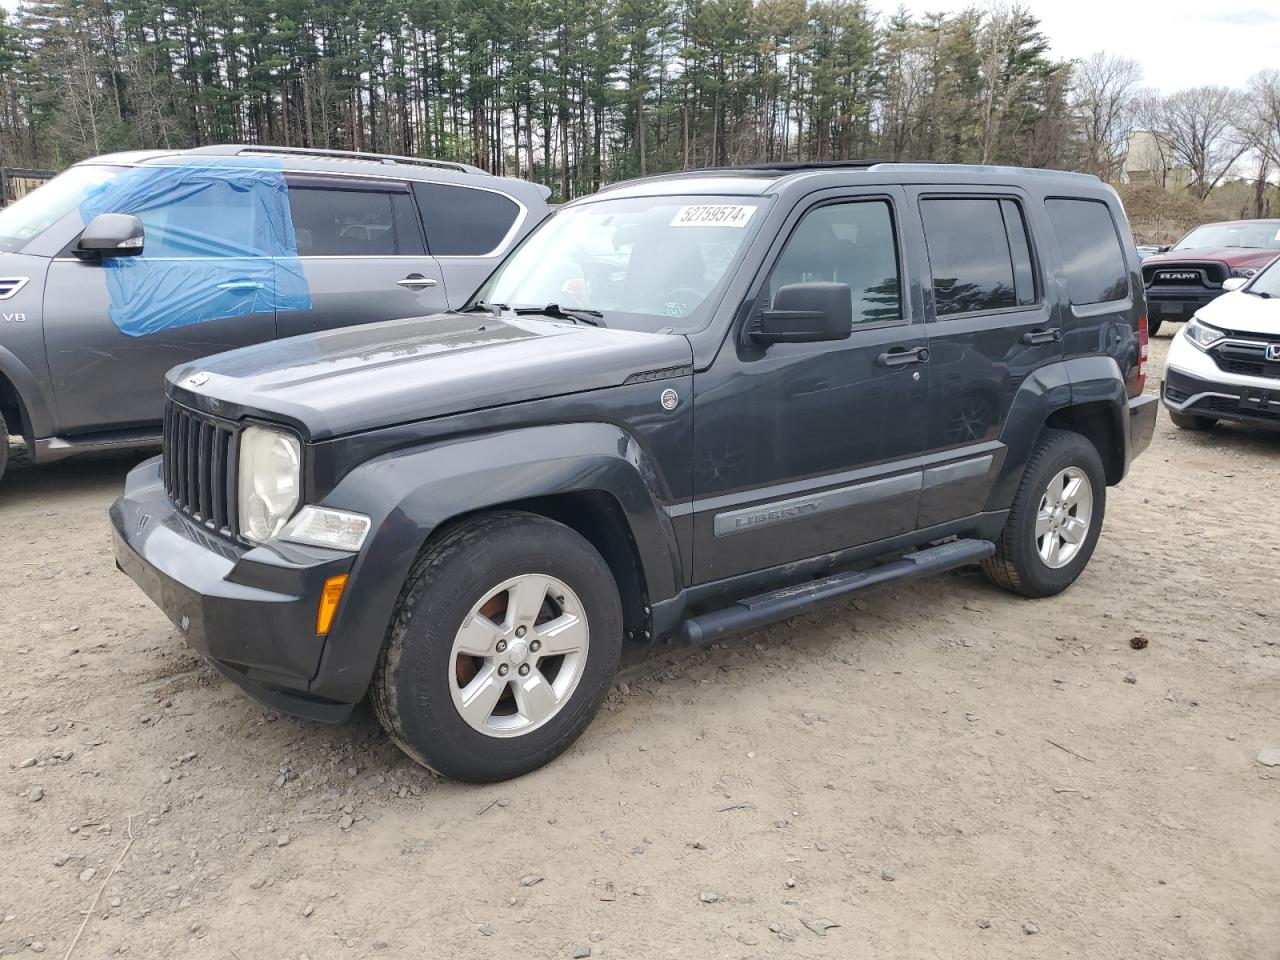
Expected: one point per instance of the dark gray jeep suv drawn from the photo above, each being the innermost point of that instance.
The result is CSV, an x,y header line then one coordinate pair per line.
x,y
129,264
691,404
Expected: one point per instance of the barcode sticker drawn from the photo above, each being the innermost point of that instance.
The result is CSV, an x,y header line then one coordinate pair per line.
x,y
713,215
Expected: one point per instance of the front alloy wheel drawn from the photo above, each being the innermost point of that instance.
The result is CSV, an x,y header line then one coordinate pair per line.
x,y
519,655
501,649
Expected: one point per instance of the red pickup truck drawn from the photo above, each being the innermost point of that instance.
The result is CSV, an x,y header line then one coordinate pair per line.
x,y
1184,277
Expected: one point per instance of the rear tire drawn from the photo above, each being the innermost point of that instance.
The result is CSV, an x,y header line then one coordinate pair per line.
x,y
1055,520
1153,327
1189,421
467,683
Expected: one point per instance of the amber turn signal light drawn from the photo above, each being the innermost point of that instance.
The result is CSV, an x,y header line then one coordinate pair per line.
x,y
330,597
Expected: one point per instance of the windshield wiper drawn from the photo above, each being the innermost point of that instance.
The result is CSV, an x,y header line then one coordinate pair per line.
x,y
592,318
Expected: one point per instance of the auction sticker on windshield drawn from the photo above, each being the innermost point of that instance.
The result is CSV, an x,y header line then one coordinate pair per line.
x,y
713,215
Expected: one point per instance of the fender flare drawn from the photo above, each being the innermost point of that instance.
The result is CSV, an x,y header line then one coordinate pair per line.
x,y
1046,390
410,494
32,398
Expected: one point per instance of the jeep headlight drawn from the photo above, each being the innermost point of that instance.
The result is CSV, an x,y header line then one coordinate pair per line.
x,y
269,482
1201,334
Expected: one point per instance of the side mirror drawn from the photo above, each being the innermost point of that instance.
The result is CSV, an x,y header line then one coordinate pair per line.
x,y
1234,283
1164,248
112,235
806,313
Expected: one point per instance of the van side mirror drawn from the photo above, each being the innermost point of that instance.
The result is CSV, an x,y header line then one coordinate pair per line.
x,y
806,313
112,235
1234,283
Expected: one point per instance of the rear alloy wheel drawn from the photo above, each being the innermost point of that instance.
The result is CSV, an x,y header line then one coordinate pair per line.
x,y
1055,520
501,649
1062,521
1189,421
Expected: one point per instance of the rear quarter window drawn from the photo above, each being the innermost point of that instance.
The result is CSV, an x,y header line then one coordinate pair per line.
x,y
1092,256
462,222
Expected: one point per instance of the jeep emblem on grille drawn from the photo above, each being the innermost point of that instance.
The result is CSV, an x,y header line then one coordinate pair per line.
x,y
198,379
1273,352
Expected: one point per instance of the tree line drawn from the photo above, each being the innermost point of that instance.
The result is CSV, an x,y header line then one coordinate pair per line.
x,y
578,93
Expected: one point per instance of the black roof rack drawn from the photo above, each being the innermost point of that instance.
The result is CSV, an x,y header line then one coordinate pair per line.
x,y
232,150
793,166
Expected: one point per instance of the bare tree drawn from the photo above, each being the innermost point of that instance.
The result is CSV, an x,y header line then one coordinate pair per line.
x,y
1264,108
1102,101
1199,130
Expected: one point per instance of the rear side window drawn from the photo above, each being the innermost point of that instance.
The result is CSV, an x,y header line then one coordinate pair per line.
x,y
979,254
1091,251
342,223
462,222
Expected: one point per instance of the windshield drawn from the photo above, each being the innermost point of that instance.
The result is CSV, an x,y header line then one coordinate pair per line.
x,y
26,219
1262,235
646,263
1268,281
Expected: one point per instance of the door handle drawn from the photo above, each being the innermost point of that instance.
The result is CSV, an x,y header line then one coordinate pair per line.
x,y
1042,336
901,357
414,280
240,285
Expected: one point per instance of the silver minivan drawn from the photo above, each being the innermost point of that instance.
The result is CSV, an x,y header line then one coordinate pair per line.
x,y
129,264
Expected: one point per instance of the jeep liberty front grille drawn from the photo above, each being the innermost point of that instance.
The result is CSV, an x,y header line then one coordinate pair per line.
x,y
198,475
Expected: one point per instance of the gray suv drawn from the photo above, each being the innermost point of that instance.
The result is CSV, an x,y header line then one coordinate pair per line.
x,y
129,264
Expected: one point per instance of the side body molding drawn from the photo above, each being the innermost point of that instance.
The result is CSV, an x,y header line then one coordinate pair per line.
x,y
1074,381
411,493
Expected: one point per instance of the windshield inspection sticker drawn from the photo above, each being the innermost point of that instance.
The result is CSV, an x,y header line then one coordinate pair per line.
x,y
713,215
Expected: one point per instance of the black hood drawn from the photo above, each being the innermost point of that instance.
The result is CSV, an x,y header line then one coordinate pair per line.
x,y
358,378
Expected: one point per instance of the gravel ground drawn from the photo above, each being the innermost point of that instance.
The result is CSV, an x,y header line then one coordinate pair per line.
x,y
937,770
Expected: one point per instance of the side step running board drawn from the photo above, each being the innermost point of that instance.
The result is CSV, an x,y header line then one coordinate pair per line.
x,y
767,608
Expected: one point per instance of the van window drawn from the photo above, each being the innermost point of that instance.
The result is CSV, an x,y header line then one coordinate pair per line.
x,y
216,221
1091,253
342,223
462,222
850,243
25,219
979,254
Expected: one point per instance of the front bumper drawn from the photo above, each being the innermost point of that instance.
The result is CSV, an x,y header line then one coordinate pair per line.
x,y
1178,303
1197,386
251,611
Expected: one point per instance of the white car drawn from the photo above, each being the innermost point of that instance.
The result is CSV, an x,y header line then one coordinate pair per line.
x,y
1225,363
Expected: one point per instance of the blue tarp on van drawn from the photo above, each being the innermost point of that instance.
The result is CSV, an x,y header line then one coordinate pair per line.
x,y
219,243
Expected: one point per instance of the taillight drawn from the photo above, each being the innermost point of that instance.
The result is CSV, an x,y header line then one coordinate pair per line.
x,y
1143,349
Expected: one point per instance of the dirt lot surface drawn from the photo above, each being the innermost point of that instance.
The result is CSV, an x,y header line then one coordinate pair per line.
x,y
933,771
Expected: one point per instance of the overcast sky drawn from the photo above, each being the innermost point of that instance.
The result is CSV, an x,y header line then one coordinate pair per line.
x,y
1179,43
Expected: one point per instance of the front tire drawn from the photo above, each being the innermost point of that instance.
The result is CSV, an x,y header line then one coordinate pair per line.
x,y
4,446
501,649
1055,520
1189,421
